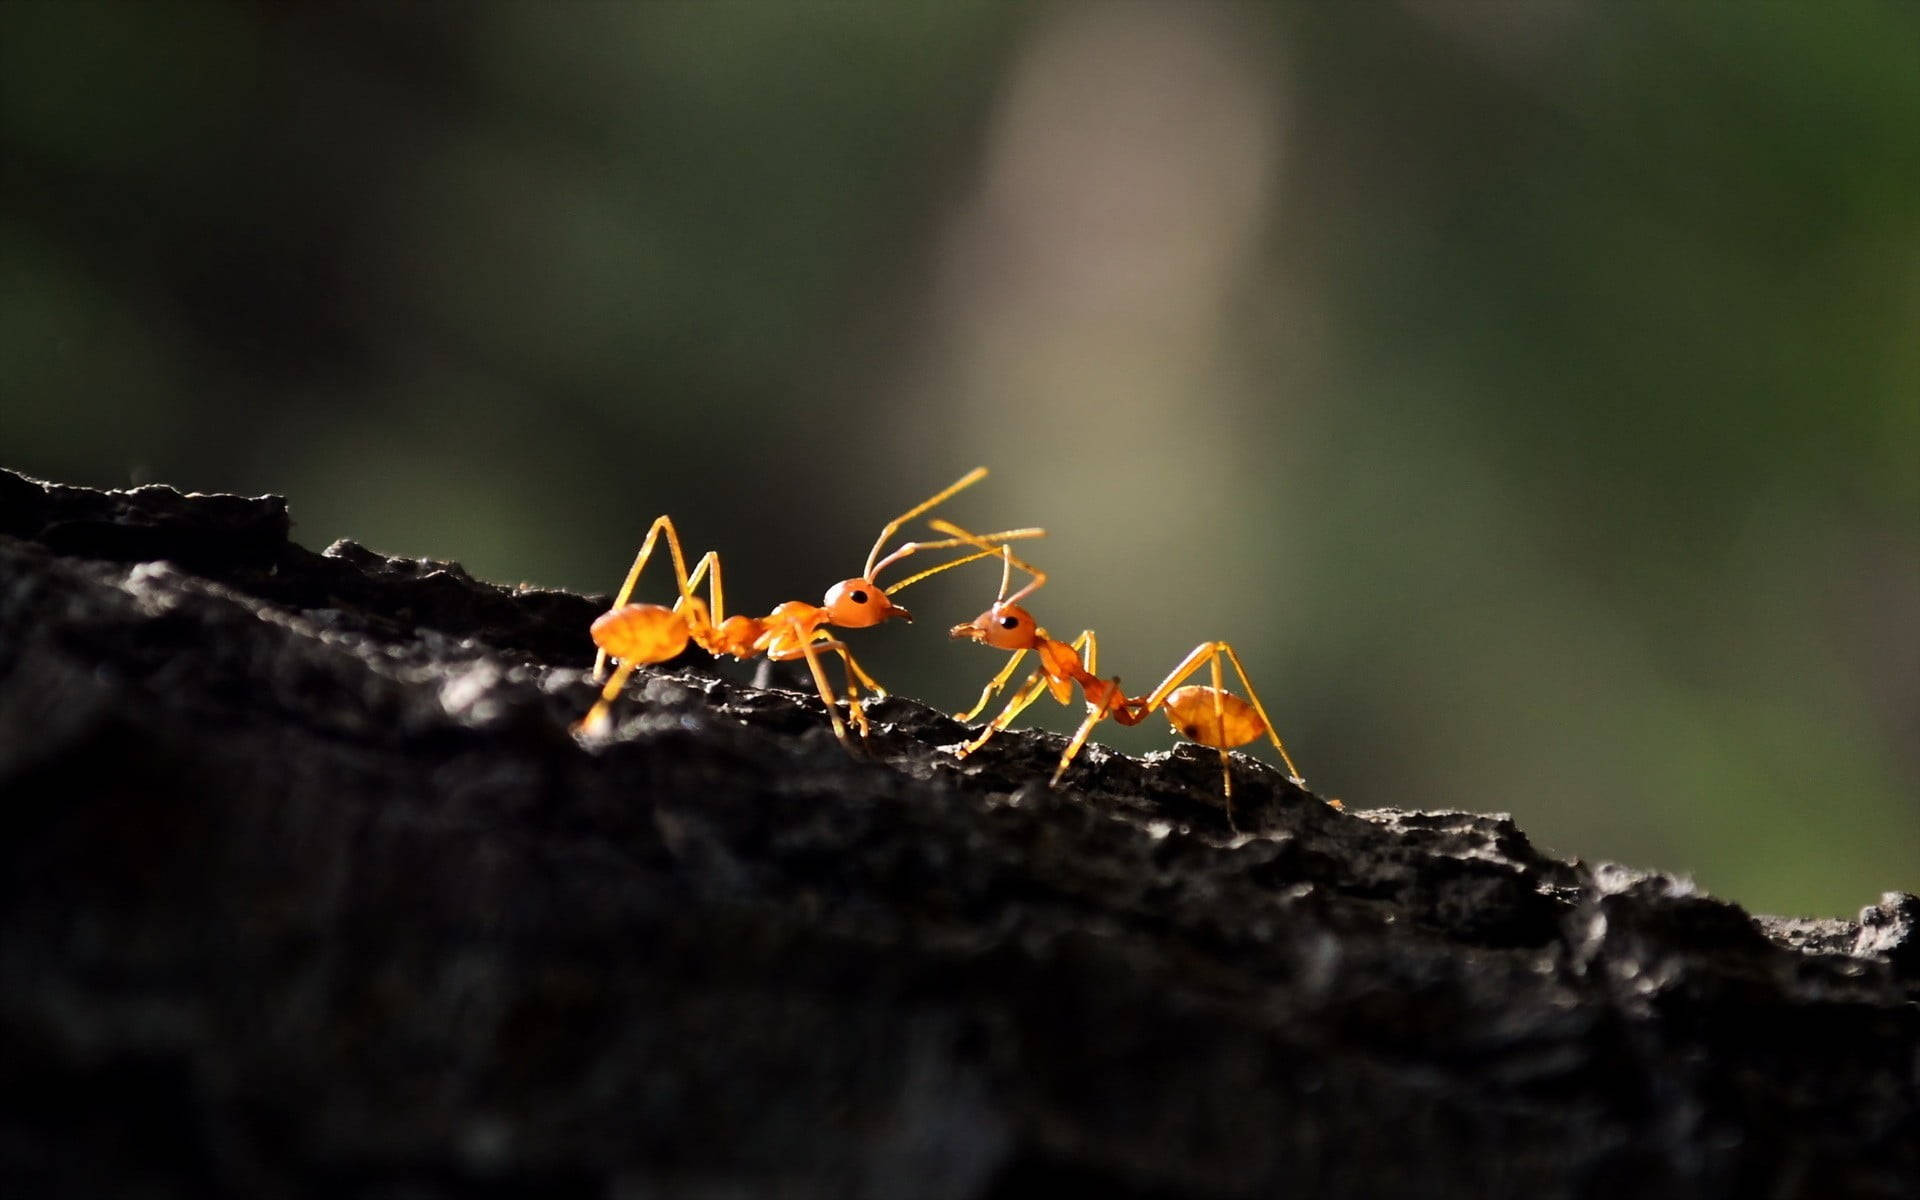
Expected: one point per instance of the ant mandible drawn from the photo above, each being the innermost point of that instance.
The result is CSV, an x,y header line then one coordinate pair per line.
x,y
1207,714
637,634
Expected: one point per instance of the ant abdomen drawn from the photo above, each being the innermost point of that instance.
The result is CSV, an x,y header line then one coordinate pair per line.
x,y
1193,714
641,633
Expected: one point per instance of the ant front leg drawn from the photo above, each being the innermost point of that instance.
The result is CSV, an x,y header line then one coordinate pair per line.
x,y
993,688
1034,687
857,677
1104,699
809,651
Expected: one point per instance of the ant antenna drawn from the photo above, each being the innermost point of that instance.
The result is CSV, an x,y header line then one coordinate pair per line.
x,y
991,540
965,481
1008,561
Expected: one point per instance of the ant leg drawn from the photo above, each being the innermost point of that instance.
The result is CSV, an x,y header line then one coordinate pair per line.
x,y
1031,690
993,687
597,715
716,608
1139,710
1080,735
855,677
809,651
1178,676
1088,645
661,524
1211,651
1220,722
1254,696
826,694
858,675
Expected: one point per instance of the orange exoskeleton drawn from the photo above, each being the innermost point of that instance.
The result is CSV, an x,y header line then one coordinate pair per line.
x,y
1205,713
636,634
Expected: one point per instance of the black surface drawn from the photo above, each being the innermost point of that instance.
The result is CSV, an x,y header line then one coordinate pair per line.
x,y
308,891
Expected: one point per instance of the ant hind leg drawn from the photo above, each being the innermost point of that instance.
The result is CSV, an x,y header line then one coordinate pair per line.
x,y
662,524
1273,734
596,717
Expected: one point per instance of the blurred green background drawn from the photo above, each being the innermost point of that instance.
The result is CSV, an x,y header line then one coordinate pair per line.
x,y
1530,392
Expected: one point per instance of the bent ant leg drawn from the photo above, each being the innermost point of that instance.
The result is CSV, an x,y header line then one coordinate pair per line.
x,y
1273,734
857,676
1095,714
826,693
1215,734
1034,687
1210,652
708,568
993,688
597,715
661,524
1088,645
808,651
1030,690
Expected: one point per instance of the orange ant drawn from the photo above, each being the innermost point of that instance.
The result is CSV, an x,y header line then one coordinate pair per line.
x,y
1207,714
636,634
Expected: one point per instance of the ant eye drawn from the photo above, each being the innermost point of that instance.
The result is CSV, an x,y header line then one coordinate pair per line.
x,y
1009,622
858,597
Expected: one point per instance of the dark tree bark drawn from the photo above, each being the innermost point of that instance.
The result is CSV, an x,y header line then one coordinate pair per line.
x,y
307,890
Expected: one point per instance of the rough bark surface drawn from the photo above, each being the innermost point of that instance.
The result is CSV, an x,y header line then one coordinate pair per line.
x,y
306,890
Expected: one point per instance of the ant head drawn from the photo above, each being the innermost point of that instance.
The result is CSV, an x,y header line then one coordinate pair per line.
x,y
1004,627
859,603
